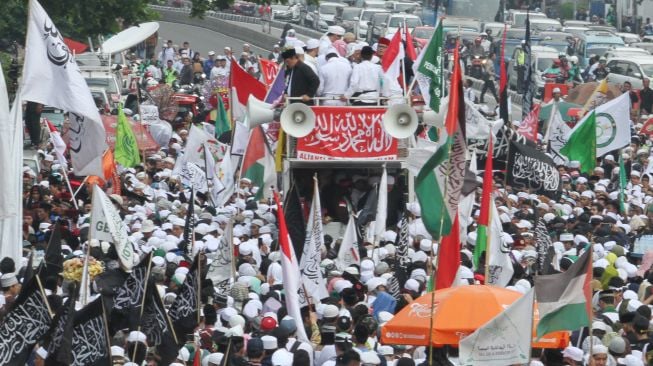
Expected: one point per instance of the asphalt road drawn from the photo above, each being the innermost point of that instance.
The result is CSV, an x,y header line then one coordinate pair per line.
x,y
202,40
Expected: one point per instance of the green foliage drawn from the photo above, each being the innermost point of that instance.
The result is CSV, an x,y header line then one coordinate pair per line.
x,y
75,19
567,11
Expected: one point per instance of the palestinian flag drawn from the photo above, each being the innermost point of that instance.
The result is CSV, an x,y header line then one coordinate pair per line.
x,y
565,299
484,219
439,183
258,163
219,115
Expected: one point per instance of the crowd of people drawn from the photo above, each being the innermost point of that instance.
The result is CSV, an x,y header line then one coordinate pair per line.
x,y
247,323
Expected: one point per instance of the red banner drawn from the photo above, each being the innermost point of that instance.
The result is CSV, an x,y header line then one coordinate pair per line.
x,y
143,137
269,70
347,133
528,127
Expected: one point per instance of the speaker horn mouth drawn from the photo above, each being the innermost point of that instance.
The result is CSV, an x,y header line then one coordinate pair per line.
x,y
404,119
298,117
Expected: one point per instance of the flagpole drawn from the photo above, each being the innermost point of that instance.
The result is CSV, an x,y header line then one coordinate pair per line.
x,y
80,186
45,298
206,173
530,335
403,65
199,283
140,316
106,327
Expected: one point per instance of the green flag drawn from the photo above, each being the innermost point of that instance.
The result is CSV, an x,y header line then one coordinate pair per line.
x,y
430,189
126,149
581,145
221,119
622,185
430,70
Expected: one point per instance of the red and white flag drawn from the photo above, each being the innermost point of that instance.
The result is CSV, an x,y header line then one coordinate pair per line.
x,y
528,127
291,275
59,144
410,47
393,57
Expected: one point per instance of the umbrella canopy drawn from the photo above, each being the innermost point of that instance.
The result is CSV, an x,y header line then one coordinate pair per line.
x,y
582,93
457,312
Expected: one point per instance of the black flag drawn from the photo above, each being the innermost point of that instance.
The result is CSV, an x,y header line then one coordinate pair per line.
x,y
531,169
52,263
90,343
26,323
529,91
187,242
368,211
127,302
183,311
397,282
59,337
544,247
292,209
156,325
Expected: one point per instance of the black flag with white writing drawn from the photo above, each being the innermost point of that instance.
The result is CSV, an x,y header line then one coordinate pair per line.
x,y
90,343
24,325
544,247
187,242
129,298
58,339
183,311
531,170
156,325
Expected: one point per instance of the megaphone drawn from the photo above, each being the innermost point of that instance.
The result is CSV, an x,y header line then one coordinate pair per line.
x,y
297,120
431,118
259,112
400,121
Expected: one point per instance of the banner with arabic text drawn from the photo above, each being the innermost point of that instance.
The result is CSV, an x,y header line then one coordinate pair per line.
x,y
347,133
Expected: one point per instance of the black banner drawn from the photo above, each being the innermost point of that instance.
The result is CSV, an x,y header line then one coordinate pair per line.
x,y
90,343
532,170
24,325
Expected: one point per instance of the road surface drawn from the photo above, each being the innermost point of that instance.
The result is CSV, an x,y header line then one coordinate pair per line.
x,y
202,40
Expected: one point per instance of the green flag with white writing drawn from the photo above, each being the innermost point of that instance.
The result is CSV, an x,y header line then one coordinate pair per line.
x,y
126,148
430,70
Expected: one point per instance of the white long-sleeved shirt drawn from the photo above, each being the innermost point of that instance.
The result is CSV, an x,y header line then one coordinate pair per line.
x,y
219,71
366,76
334,77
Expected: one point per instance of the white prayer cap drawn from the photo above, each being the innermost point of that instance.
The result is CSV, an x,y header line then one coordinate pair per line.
x,y
117,351
282,358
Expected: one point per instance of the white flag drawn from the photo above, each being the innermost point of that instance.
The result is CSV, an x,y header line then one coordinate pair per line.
x,y
193,149
348,253
51,76
557,133
501,270
107,225
504,340
613,125
309,265
224,176
381,207
11,179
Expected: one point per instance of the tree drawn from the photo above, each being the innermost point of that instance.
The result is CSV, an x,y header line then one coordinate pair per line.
x,y
75,19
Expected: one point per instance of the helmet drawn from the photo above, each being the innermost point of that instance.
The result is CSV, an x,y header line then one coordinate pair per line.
x,y
573,59
602,59
556,62
268,323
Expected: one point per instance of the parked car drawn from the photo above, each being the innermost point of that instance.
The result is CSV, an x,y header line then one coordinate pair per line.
x,y
347,17
625,52
422,35
629,37
398,20
595,43
545,24
327,12
403,7
367,16
644,45
542,59
630,68
377,27
517,18
244,8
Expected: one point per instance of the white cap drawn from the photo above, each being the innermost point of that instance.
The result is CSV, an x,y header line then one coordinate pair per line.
x,y
312,44
282,358
573,353
117,351
336,29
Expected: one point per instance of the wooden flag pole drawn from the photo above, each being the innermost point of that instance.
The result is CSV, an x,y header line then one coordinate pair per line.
x,y
140,316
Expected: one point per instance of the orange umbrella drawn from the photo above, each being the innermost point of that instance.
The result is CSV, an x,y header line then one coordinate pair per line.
x,y
457,312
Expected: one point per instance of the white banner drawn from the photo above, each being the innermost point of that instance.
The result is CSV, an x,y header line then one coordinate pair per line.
x,y
309,265
51,76
194,176
504,340
107,225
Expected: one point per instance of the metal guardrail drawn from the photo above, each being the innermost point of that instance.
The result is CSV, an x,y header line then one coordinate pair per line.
x,y
312,33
